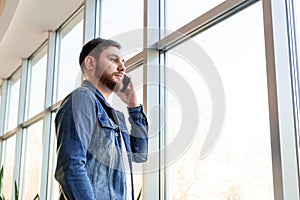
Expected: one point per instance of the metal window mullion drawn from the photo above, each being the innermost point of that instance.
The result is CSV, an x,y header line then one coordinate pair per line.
x,y
134,62
151,181
19,134
47,114
292,23
281,113
26,89
23,146
56,68
23,91
50,68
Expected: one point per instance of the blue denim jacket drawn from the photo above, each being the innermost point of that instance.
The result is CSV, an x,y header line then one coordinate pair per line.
x,y
89,153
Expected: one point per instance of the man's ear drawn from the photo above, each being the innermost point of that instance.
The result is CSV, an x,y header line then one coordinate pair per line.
x,y
90,62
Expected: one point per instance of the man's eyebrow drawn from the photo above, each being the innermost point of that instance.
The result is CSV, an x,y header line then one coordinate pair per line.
x,y
115,55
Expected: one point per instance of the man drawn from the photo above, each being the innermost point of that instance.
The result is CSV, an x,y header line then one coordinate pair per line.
x,y
94,148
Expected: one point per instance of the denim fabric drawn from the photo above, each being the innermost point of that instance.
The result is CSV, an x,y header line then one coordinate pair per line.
x,y
89,153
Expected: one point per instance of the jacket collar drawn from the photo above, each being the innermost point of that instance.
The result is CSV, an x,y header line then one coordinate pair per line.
x,y
114,114
99,95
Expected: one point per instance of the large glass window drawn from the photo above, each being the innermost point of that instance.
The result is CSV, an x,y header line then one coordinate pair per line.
x,y
13,101
37,82
239,165
237,162
137,78
69,72
121,16
0,94
32,157
179,13
297,23
297,70
8,165
53,186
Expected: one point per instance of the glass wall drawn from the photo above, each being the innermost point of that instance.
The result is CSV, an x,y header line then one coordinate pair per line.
x,y
0,94
239,166
13,101
179,14
296,7
8,165
221,62
136,75
37,82
117,17
53,186
32,158
297,23
68,72
123,26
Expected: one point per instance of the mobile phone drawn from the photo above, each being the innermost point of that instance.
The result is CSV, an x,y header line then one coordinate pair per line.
x,y
126,81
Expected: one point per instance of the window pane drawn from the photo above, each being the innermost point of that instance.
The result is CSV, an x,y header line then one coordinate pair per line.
x,y
32,157
53,185
297,24
121,16
69,72
8,167
179,13
37,83
239,165
13,101
137,77
0,95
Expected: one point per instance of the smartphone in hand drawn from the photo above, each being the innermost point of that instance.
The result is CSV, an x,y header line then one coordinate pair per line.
x,y
126,81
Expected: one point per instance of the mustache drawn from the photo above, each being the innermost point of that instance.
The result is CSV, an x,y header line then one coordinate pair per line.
x,y
118,74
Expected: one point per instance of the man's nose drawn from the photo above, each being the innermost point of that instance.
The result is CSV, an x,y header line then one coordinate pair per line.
x,y
121,64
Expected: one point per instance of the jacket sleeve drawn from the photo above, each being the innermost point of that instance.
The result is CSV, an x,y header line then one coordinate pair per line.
x,y
74,124
138,134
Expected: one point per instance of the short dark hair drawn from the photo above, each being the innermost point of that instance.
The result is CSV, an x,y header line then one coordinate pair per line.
x,y
94,48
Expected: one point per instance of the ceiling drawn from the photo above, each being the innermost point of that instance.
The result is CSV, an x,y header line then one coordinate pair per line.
x,y
24,26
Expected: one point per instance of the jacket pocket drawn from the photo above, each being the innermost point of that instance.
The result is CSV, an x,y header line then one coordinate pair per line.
x,y
106,122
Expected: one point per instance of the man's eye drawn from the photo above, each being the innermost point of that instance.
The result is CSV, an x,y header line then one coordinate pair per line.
x,y
114,60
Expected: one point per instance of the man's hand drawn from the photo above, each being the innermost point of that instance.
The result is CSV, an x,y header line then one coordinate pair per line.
x,y
128,96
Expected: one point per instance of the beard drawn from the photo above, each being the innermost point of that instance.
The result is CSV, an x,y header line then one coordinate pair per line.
x,y
107,79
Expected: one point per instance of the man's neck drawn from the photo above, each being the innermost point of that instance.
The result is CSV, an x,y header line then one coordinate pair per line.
x,y
105,91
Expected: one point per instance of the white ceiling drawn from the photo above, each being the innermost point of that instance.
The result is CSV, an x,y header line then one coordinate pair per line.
x,y
24,26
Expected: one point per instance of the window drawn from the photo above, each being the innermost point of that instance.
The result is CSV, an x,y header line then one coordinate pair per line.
x,y
13,101
137,78
53,186
8,165
296,69
69,72
0,94
37,82
178,13
32,158
180,99
124,27
239,166
120,17
297,22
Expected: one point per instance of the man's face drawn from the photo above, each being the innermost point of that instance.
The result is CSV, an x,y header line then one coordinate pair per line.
x,y
110,68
